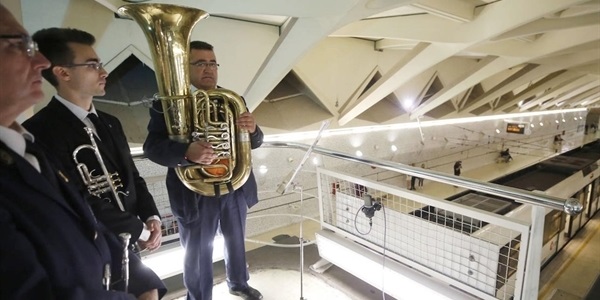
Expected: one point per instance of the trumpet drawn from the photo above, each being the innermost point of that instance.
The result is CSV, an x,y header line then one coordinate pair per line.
x,y
98,185
125,261
125,237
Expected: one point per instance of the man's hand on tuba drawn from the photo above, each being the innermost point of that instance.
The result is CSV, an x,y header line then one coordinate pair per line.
x,y
200,152
246,121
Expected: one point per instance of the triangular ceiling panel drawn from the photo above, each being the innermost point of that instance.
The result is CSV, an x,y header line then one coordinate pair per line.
x,y
383,111
291,113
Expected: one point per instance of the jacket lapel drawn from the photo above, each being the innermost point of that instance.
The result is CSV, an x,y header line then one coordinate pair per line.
x,y
113,155
9,160
80,136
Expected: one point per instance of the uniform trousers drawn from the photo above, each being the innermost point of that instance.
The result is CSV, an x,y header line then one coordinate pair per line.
x,y
197,236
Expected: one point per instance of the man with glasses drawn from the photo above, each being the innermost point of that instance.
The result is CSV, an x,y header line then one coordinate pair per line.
x,y
200,216
52,246
77,74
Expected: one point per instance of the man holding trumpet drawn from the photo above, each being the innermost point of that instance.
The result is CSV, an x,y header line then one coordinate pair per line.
x,y
78,75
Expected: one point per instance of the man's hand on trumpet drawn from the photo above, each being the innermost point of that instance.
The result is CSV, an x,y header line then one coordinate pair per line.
x,y
149,295
155,239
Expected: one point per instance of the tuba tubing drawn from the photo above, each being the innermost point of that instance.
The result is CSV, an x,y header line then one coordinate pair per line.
x,y
203,115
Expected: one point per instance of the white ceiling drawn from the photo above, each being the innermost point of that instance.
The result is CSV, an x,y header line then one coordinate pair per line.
x,y
517,55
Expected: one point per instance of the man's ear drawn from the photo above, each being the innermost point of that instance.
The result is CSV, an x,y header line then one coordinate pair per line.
x,y
61,73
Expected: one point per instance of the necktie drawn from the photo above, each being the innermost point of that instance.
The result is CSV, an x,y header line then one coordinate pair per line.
x,y
45,168
102,131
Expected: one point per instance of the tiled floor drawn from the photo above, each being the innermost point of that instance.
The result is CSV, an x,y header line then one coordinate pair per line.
x,y
275,271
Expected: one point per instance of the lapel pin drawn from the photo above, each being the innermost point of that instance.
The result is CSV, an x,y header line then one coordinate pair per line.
x,y
6,158
65,178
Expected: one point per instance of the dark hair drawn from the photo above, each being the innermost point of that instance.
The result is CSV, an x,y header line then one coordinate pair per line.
x,y
200,45
53,44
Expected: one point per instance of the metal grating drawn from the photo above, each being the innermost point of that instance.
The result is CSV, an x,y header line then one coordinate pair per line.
x,y
444,240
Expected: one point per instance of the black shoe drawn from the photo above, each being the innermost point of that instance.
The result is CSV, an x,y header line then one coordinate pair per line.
x,y
248,293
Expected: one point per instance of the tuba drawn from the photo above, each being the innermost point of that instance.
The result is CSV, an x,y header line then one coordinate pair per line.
x,y
204,115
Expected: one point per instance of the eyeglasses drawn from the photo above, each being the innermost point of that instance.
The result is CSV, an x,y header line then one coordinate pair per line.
x,y
27,44
94,65
203,64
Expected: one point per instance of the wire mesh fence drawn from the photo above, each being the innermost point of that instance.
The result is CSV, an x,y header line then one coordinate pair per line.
x,y
465,246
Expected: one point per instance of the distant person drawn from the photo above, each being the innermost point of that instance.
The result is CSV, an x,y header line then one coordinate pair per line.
x,y
420,180
505,155
413,180
557,143
557,138
457,168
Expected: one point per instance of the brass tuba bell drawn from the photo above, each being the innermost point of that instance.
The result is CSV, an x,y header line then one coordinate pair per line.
x,y
203,115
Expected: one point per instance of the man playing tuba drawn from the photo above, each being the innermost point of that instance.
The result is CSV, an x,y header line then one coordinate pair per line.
x,y
200,216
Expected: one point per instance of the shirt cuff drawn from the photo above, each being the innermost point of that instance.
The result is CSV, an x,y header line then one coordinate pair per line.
x,y
155,217
145,234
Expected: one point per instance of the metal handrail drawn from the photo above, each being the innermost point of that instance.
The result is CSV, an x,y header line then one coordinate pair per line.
x,y
570,206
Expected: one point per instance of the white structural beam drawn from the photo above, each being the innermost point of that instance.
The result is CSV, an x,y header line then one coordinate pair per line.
x,y
483,69
547,83
543,47
584,98
558,90
572,95
485,26
591,100
423,28
309,22
298,37
560,64
546,25
301,9
455,10
519,78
